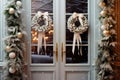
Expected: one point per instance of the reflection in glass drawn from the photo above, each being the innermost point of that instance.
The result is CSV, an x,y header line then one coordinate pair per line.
x,y
43,55
42,5
79,6
76,58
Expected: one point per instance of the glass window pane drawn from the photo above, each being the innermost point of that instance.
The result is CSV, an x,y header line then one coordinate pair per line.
x,y
41,41
76,58
79,6
43,57
42,5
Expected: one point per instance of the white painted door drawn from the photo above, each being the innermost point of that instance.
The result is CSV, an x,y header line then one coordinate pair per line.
x,y
73,65
58,62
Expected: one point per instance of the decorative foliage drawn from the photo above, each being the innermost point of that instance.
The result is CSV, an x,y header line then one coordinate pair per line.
x,y
107,43
14,68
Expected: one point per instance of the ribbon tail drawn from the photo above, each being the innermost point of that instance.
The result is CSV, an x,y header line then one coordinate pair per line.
x,y
44,43
40,36
74,40
80,46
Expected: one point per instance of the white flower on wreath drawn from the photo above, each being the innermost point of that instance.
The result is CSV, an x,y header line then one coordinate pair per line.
x,y
41,22
81,19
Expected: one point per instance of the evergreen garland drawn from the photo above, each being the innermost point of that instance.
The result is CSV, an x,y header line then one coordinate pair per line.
x,y
14,67
106,54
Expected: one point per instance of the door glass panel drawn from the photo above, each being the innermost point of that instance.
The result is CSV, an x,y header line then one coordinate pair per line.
x,y
42,5
76,58
80,54
45,53
79,6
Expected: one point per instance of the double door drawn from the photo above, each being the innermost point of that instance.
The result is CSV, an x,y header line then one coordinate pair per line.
x,y
56,61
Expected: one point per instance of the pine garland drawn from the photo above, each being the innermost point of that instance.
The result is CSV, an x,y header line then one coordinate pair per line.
x,y
14,68
107,43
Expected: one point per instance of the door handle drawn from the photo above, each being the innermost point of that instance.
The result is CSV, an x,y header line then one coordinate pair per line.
x,y
56,52
62,51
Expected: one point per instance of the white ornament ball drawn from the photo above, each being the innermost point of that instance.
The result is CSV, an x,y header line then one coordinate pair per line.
x,y
19,35
19,3
12,70
102,4
103,27
12,55
103,13
106,33
7,48
11,10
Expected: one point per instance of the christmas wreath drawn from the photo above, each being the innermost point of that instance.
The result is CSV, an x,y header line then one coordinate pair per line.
x,y
41,22
78,24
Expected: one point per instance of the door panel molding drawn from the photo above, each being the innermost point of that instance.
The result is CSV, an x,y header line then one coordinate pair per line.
x,y
82,75
43,75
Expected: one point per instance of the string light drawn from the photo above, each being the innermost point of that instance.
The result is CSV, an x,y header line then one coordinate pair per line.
x,y
46,37
51,31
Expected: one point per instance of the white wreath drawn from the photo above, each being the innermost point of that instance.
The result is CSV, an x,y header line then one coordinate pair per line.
x,y
41,22
78,24
83,23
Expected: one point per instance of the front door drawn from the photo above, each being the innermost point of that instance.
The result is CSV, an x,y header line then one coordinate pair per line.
x,y
54,60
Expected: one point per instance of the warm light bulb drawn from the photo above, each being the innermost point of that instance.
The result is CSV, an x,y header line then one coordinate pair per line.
x,y
35,33
33,39
46,38
51,31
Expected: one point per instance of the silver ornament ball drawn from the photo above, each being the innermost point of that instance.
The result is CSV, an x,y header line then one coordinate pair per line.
x,y
19,35
12,70
12,55
19,3
103,13
11,10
